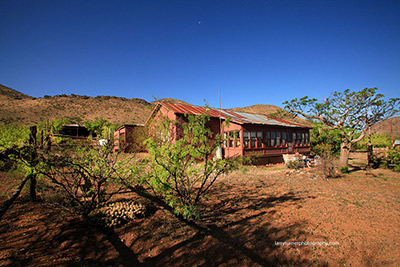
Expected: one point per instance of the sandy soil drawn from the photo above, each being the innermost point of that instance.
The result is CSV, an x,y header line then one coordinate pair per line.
x,y
268,216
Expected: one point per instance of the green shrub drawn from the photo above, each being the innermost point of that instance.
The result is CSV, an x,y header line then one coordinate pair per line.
x,y
393,159
345,169
377,140
329,166
101,127
83,175
325,141
12,135
295,164
182,172
376,161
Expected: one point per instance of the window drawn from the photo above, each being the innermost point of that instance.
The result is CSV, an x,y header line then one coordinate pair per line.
x,y
230,139
225,139
294,139
237,138
272,138
253,139
278,138
162,137
299,141
283,138
246,139
259,139
307,139
267,139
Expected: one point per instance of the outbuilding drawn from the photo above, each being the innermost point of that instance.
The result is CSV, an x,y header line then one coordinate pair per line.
x,y
126,138
75,131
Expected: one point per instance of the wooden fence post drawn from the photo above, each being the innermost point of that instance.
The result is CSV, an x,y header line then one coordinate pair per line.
x,y
32,141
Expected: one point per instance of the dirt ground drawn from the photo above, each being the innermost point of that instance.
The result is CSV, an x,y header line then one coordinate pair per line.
x,y
268,216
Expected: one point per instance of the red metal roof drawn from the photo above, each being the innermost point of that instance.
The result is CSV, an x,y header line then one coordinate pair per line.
x,y
237,117
192,110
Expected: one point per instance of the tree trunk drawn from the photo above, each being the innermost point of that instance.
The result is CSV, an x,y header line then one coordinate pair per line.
x,y
344,154
370,153
32,136
33,188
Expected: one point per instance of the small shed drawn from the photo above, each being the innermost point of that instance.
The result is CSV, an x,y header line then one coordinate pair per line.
x,y
126,138
248,134
75,131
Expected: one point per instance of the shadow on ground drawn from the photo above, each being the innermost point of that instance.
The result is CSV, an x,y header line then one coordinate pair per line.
x,y
239,228
36,234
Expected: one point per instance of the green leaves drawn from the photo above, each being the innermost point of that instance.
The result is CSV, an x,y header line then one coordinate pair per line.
x,y
12,135
99,126
182,171
351,112
84,173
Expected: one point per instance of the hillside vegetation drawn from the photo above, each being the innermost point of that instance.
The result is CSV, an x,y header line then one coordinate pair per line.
x,y
19,108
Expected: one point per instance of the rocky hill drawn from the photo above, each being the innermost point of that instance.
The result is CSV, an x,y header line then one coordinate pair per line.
x,y
19,108
384,127
16,107
11,93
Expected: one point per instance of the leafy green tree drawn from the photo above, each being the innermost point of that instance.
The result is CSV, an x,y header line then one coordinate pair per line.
x,y
393,159
80,174
55,126
377,140
12,135
100,127
21,155
352,113
325,140
182,172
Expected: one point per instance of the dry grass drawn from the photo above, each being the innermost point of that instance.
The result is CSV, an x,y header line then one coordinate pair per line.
x,y
348,221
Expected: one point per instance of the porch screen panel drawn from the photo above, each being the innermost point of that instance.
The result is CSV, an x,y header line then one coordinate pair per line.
x,y
272,138
225,139
246,139
259,139
237,138
267,139
299,143
231,139
253,139
283,138
278,138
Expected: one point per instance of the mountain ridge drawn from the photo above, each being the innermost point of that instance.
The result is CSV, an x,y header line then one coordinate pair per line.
x,y
19,108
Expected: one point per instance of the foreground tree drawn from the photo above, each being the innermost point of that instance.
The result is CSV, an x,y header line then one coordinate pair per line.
x,y
181,172
352,113
85,176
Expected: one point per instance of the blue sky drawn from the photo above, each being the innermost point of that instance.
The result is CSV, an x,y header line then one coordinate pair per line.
x,y
255,52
